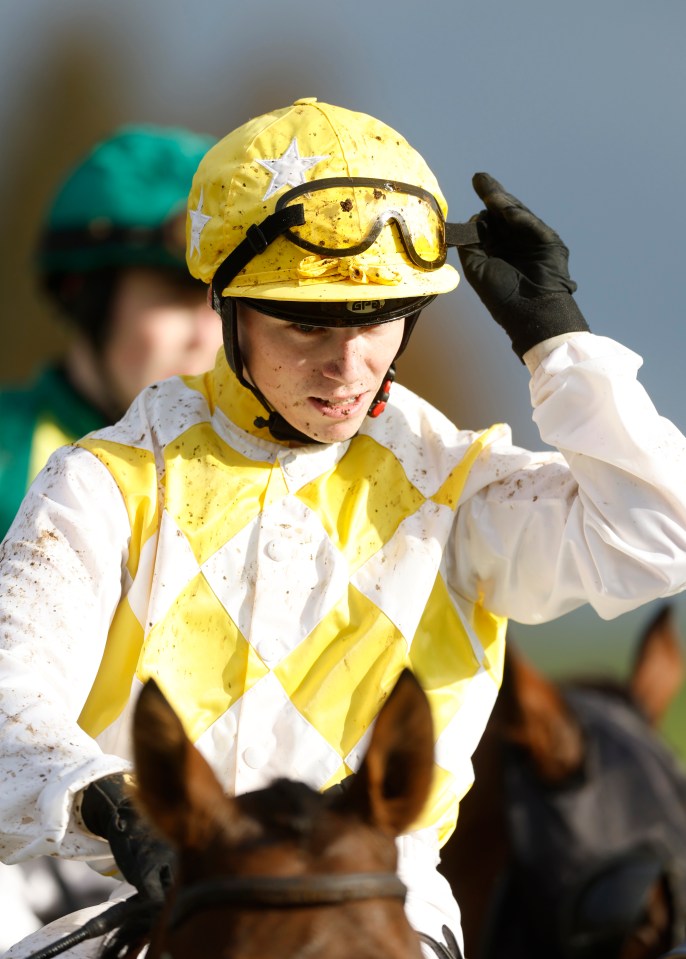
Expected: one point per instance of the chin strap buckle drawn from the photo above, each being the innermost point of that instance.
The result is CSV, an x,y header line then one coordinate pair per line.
x,y
381,398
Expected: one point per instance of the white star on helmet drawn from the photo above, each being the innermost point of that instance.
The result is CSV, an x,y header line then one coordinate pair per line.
x,y
289,169
198,222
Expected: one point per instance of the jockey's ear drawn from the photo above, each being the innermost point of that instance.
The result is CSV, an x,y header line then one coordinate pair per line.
x,y
392,785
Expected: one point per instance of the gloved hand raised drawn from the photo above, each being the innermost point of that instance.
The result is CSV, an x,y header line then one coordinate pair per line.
x,y
519,270
144,860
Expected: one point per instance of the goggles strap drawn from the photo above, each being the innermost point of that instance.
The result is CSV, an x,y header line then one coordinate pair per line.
x,y
462,234
259,236
256,240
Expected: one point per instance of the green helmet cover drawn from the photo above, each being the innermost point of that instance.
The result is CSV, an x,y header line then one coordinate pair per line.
x,y
124,204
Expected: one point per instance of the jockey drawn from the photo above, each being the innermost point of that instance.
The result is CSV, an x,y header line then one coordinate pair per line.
x,y
275,540
110,261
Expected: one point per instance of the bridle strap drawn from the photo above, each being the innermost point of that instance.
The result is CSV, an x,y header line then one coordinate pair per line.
x,y
285,892
249,891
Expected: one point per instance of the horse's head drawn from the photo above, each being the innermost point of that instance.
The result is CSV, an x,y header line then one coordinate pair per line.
x,y
286,871
586,810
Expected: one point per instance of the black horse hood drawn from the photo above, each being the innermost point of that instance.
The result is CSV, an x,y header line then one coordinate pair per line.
x,y
587,852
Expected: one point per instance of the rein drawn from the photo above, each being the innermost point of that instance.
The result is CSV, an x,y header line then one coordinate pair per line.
x,y
99,925
283,892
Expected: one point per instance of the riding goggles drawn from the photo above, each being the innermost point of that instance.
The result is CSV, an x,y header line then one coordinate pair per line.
x,y
343,216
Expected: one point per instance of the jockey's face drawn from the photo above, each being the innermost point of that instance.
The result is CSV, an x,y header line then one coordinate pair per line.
x,y
159,326
321,380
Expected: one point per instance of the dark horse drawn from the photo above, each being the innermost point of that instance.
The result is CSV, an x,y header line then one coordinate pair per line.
x,y
572,842
284,871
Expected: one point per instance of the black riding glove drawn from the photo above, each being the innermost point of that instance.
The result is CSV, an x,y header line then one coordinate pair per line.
x,y
519,270
144,860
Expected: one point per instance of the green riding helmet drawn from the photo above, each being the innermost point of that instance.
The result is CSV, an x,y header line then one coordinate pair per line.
x,y
124,204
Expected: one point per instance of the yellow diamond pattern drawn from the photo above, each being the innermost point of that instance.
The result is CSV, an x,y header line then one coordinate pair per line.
x,y
112,687
214,496
442,655
132,469
354,656
359,514
198,652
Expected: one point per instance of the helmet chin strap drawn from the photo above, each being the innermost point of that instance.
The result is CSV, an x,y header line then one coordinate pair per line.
x,y
381,398
278,426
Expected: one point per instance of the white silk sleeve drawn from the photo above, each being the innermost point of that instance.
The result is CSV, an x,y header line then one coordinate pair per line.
x,y
601,522
62,568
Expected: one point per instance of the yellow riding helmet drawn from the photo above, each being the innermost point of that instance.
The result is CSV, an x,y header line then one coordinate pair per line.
x,y
317,203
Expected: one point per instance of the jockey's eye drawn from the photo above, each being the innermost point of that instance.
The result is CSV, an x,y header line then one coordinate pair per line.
x,y
304,328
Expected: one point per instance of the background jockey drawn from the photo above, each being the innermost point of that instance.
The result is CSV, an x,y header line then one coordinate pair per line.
x,y
275,540
111,262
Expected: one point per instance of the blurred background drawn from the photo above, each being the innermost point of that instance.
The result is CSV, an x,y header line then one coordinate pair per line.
x,y
577,108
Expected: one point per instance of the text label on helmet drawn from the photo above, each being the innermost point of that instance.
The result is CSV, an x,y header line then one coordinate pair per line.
x,y
366,306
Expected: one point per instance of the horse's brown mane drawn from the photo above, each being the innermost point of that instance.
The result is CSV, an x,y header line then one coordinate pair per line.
x,y
287,807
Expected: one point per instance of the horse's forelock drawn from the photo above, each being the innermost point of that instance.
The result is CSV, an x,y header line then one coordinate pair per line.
x,y
285,805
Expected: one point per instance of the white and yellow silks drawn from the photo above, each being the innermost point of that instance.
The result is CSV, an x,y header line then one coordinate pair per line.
x,y
277,593
317,573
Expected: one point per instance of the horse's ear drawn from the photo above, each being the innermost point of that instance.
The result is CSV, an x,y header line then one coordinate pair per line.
x,y
658,669
534,715
393,782
176,788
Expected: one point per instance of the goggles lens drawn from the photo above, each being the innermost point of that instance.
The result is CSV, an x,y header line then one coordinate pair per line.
x,y
343,216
